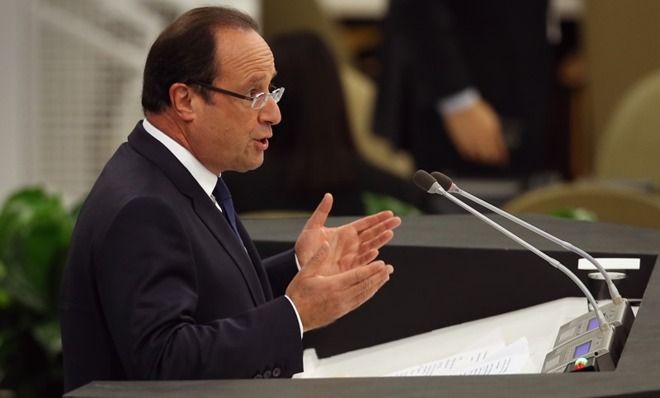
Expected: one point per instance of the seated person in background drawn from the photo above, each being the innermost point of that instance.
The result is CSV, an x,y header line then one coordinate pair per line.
x,y
312,150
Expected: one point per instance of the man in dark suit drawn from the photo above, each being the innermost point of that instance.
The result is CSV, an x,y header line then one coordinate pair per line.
x,y
163,281
464,84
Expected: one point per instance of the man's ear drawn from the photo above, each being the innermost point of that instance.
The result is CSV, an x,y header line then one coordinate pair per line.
x,y
182,97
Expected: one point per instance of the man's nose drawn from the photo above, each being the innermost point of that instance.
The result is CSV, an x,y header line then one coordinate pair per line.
x,y
270,113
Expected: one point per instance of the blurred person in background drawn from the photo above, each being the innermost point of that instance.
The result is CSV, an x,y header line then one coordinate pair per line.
x,y
464,85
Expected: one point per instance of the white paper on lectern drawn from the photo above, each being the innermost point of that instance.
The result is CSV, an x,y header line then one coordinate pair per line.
x,y
476,352
446,366
509,360
491,360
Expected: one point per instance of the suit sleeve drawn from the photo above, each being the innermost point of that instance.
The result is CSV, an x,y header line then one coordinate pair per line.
x,y
147,289
422,62
429,28
281,269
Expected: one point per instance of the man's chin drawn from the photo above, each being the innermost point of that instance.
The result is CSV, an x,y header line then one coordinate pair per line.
x,y
252,167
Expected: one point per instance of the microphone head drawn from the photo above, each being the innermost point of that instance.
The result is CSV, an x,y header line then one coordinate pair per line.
x,y
444,181
424,180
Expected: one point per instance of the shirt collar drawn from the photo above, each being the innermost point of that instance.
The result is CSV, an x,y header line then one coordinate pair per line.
x,y
205,178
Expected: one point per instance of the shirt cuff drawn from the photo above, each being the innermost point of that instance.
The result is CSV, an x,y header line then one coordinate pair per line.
x,y
300,326
295,256
458,101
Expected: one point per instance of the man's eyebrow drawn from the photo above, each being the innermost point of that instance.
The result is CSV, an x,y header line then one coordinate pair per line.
x,y
258,78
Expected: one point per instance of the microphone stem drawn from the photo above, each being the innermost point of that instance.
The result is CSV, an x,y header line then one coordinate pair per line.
x,y
614,293
601,317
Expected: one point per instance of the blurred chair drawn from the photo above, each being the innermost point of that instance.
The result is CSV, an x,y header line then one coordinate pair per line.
x,y
607,202
629,148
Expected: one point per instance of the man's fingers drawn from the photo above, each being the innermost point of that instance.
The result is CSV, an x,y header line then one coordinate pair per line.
x,y
377,229
365,257
358,275
364,223
321,300
358,293
377,242
320,215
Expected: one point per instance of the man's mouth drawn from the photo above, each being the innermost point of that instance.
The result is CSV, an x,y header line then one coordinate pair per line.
x,y
262,143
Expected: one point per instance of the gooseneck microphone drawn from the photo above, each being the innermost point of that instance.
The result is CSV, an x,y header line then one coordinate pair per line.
x,y
448,185
428,183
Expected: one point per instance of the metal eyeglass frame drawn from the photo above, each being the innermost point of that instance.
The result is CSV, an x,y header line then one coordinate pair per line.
x,y
257,102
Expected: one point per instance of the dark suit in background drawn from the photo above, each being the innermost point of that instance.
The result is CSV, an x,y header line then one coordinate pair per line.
x,y
434,48
153,257
249,189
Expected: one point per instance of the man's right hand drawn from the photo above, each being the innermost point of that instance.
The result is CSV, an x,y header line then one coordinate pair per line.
x,y
321,297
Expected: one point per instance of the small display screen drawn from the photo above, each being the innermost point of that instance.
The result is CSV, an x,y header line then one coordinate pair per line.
x,y
582,349
593,324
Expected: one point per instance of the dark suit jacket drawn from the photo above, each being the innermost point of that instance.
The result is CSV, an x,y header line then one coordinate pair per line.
x,y
435,48
158,287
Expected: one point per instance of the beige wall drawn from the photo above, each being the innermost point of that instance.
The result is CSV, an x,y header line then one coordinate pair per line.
x,y
622,44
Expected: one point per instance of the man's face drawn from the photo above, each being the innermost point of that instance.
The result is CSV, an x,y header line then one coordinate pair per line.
x,y
228,134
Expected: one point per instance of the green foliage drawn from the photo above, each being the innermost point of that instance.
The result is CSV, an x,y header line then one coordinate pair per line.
x,y
35,230
577,213
374,203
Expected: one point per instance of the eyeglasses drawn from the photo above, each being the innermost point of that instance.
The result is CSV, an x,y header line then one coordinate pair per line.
x,y
257,102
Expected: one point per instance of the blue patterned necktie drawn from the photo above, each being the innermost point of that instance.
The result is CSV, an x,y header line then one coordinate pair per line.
x,y
223,197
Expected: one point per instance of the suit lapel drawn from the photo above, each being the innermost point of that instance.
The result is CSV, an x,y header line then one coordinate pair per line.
x,y
220,227
256,259
153,150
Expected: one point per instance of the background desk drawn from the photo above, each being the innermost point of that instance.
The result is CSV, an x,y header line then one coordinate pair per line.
x,y
446,267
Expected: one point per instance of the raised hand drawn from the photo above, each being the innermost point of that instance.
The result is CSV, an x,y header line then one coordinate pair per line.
x,y
321,299
350,245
